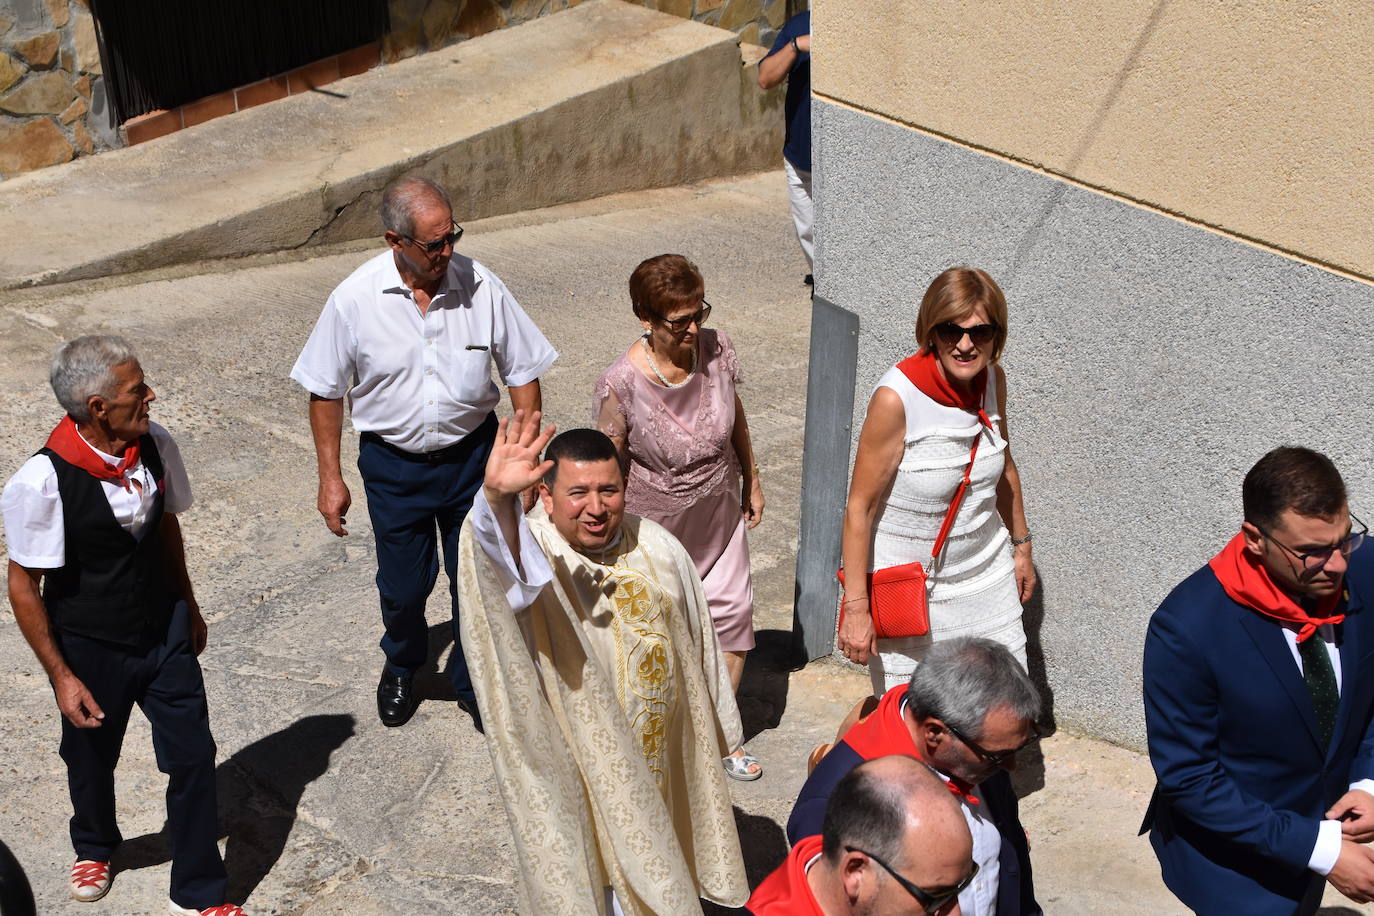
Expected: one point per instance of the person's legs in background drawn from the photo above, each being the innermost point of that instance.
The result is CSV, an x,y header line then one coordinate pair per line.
x,y
803,212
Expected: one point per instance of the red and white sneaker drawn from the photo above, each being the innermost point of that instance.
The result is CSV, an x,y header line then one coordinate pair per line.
x,y
224,909
90,880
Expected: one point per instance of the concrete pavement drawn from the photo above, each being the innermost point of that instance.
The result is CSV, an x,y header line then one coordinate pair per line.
x,y
323,810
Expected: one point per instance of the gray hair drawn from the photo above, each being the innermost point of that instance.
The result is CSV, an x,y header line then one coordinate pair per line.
x,y
403,197
84,368
961,680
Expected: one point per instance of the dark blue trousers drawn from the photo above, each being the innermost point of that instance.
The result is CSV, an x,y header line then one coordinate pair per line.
x,y
410,497
164,680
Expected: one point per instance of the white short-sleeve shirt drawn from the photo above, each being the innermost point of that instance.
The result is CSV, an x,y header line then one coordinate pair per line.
x,y
32,506
421,382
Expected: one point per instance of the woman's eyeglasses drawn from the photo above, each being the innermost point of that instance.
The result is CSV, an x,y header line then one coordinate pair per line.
x,y
951,333
678,325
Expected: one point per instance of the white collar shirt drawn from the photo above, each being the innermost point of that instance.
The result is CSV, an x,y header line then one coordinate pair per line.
x,y
980,897
1328,846
35,536
1327,634
421,382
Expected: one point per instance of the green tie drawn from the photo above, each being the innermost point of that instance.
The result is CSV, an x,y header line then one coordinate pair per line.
x,y
1321,681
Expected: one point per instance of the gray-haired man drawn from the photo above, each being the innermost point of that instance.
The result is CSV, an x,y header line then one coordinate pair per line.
x,y
409,338
968,710
98,583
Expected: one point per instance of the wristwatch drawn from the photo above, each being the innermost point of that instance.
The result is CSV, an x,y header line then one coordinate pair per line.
x,y
794,45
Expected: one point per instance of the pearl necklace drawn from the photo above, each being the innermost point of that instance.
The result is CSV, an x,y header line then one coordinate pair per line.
x,y
649,354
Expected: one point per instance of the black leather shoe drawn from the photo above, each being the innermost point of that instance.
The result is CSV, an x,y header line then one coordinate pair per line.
x,y
396,700
470,707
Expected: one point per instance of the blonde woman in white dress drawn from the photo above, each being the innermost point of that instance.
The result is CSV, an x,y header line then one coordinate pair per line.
x,y
913,449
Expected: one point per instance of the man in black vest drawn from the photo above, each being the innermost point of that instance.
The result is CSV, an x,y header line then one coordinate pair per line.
x,y
98,583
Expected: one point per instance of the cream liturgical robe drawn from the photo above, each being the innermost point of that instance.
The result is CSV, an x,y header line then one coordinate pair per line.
x,y
607,707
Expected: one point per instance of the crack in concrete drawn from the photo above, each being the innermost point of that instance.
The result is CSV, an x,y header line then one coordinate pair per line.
x,y
316,682
338,211
480,879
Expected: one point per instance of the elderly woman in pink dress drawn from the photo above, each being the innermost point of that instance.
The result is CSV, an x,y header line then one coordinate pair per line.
x,y
669,404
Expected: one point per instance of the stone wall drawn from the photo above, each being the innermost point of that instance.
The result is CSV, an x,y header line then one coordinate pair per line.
x,y
53,106
52,99
424,25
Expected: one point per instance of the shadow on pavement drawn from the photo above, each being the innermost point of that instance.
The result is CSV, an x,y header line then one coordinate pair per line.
x,y
764,845
762,691
16,896
1029,775
260,788
433,682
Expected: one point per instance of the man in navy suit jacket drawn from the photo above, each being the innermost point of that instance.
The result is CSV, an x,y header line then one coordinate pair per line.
x,y
1259,689
967,711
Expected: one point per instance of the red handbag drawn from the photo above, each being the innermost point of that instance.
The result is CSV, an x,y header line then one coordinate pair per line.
x,y
897,594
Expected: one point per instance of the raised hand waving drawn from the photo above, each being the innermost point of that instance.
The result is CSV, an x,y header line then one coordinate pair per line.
x,y
514,465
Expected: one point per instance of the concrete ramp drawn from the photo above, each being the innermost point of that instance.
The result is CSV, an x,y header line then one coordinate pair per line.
x,y
601,98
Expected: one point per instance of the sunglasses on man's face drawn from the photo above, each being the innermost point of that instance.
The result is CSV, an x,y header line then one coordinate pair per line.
x,y
951,333
438,244
930,902
994,758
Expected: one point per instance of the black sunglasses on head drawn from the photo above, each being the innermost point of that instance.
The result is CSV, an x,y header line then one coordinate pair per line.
x,y
930,902
438,244
951,333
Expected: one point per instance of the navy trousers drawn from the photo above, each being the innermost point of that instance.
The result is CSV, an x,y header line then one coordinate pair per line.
x,y
164,679
413,501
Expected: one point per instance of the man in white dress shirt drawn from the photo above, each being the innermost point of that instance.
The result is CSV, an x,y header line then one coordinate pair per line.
x,y
409,338
98,583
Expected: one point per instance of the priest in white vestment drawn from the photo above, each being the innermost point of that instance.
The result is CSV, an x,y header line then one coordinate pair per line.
x,y
602,688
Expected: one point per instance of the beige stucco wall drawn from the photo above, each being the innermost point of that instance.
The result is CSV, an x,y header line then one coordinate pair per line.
x,y
1256,118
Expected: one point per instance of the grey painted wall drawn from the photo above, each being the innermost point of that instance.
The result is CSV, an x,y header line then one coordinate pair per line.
x,y
1150,363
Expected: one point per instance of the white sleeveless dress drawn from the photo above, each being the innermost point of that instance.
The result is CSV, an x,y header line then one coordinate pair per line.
x,y
972,585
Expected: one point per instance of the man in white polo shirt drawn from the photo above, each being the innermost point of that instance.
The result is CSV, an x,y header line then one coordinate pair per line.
x,y
409,338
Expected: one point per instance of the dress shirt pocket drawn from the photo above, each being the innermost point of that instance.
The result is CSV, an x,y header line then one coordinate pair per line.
x,y
471,370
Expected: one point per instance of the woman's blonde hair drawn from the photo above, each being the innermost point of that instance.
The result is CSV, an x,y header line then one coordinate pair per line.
x,y
956,293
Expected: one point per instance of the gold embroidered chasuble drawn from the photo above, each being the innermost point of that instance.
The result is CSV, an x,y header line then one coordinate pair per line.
x,y
607,707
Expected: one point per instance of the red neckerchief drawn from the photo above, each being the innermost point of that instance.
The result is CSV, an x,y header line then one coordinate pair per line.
x,y
923,369
67,443
785,892
885,732
1246,580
